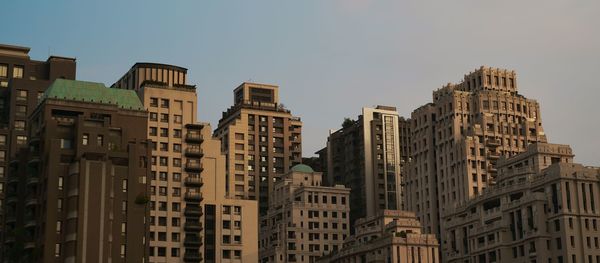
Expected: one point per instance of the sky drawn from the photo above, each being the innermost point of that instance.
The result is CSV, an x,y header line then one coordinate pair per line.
x,y
333,57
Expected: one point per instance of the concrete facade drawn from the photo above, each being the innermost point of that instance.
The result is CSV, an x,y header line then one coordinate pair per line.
x,y
230,225
543,208
78,191
368,156
458,139
175,187
305,220
390,236
261,140
22,81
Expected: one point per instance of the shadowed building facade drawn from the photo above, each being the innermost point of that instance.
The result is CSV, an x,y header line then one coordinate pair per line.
x,y
261,141
367,155
542,208
22,81
458,139
78,191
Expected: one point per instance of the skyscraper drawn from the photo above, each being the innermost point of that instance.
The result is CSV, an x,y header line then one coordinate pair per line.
x,y
366,156
457,140
78,191
22,81
176,159
261,140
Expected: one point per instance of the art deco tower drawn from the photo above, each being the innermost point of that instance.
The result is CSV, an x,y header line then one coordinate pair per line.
x,y
457,140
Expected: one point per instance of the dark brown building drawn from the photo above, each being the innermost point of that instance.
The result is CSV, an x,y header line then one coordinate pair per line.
x,y
22,81
79,191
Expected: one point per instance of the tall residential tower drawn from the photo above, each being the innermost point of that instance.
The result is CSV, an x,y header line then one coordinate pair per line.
x,y
367,156
457,140
261,140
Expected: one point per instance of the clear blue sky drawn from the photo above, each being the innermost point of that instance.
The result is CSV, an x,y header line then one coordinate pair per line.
x,y
331,58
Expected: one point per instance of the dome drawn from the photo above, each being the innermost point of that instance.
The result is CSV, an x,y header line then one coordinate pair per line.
x,y
303,168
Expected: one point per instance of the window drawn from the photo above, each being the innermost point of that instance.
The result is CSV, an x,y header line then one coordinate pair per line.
x,y
20,125
3,70
123,228
177,147
57,250
164,146
177,162
85,138
164,103
100,140
163,161
153,131
2,139
164,132
21,110
124,185
22,95
60,183
59,204
164,117
58,226
177,177
153,116
17,72
123,250
178,119
154,102
177,133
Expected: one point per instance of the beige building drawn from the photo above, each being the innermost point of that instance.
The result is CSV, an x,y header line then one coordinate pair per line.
x,y
390,236
543,208
261,140
305,220
368,155
176,166
230,225
458,139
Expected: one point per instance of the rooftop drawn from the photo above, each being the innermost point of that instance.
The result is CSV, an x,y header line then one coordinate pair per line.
x,y
302,168
84,91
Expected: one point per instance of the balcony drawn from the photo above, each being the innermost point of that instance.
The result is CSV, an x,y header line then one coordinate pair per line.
x,y
192,241
30,245
192,226
193,181
193,167
193,211
31,201
11,199
194,152
194,137
493,155
33,180
192,257
12,179
194,126
493,142
30,223
193,197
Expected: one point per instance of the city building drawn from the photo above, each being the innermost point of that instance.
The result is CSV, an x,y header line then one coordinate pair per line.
x,y
230,224
367,156
261,140
175,210
22,82
389,236
459,137
305,220
77,190
542,208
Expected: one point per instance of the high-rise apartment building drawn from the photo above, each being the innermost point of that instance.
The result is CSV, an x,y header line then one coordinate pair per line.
x,y
22,81
543,208
77,189
305,220
261,140
367,156
389,236
457,140
230,228
175,211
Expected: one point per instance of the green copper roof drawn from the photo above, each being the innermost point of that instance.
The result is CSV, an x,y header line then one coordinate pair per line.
x,y
93,92
303,168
